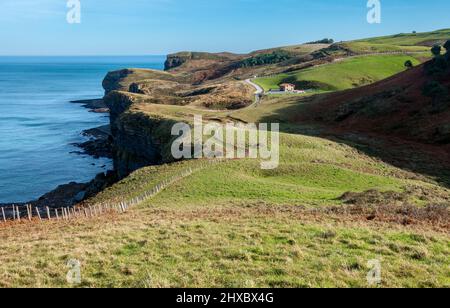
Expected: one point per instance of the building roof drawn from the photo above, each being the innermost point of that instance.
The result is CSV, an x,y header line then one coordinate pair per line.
x,y
287,85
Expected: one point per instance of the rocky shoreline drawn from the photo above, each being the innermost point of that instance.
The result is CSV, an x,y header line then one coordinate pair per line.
x,y
98,145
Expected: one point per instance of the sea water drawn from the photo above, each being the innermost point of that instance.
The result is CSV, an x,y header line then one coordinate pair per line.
x,y
39,125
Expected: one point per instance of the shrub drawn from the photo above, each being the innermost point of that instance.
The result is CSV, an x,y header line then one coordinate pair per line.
x,y
324,41
436,50
409,64
439,65
447,46
271,58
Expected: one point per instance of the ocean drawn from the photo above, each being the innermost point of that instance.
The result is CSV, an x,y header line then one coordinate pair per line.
x,y
38,124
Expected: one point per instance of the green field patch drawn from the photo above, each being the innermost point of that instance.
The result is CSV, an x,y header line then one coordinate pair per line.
x,y
344,74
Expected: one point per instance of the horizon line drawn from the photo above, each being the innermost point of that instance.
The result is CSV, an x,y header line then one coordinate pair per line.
x,y
99,55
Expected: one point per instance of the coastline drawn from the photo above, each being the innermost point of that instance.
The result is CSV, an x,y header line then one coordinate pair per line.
x,y
99,145
95,146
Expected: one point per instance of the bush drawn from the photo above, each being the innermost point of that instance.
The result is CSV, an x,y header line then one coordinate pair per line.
x,y
438,66
447,46
436,50
272,58
324,41
409,64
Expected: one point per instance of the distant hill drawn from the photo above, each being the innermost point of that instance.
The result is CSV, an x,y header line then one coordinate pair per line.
x,y
411,42
288,61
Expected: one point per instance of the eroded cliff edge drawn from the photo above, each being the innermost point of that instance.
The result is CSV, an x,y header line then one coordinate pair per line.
x,y
139,139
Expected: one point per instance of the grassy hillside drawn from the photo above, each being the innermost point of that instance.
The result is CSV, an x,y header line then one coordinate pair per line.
x,y
411,39
227,245
404,42
234,225
299,179
371,47
345,74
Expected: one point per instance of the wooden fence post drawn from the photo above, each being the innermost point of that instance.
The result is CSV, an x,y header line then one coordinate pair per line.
x,y
28,211
39,214
3,214
48,213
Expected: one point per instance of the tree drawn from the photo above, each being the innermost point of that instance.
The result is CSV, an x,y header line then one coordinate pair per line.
x,y
447,46
409,64
436,50
324,41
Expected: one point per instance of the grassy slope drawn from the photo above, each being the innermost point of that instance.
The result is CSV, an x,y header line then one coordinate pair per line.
x,y
360,71
410,39
235,225
299,179
345,74
221,245
370,47
401,42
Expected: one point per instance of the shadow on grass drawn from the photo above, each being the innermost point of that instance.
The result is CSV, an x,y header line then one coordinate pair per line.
x,y
427,160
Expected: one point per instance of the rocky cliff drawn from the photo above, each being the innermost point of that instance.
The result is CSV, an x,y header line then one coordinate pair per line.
x,y
200,58
139,139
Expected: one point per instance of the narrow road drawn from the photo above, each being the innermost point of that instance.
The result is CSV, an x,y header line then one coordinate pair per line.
x,y
259,91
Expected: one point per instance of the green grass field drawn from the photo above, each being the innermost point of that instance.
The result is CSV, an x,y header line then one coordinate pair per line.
x,y
234,225
345,74
233,245
404,42
369,47
411,39
299,178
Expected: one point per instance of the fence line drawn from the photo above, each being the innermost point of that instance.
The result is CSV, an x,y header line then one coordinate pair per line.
x,y
44,213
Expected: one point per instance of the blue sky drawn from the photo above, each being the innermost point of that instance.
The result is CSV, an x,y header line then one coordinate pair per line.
x,y
141,27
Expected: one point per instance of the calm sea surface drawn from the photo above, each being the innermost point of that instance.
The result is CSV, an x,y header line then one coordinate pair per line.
x,y
38,123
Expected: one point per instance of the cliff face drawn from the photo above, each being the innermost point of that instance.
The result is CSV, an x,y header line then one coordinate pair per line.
x,y
113,80
199,58
174,61
139,139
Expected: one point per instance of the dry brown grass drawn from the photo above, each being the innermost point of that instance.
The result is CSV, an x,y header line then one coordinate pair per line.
x,y
238,245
